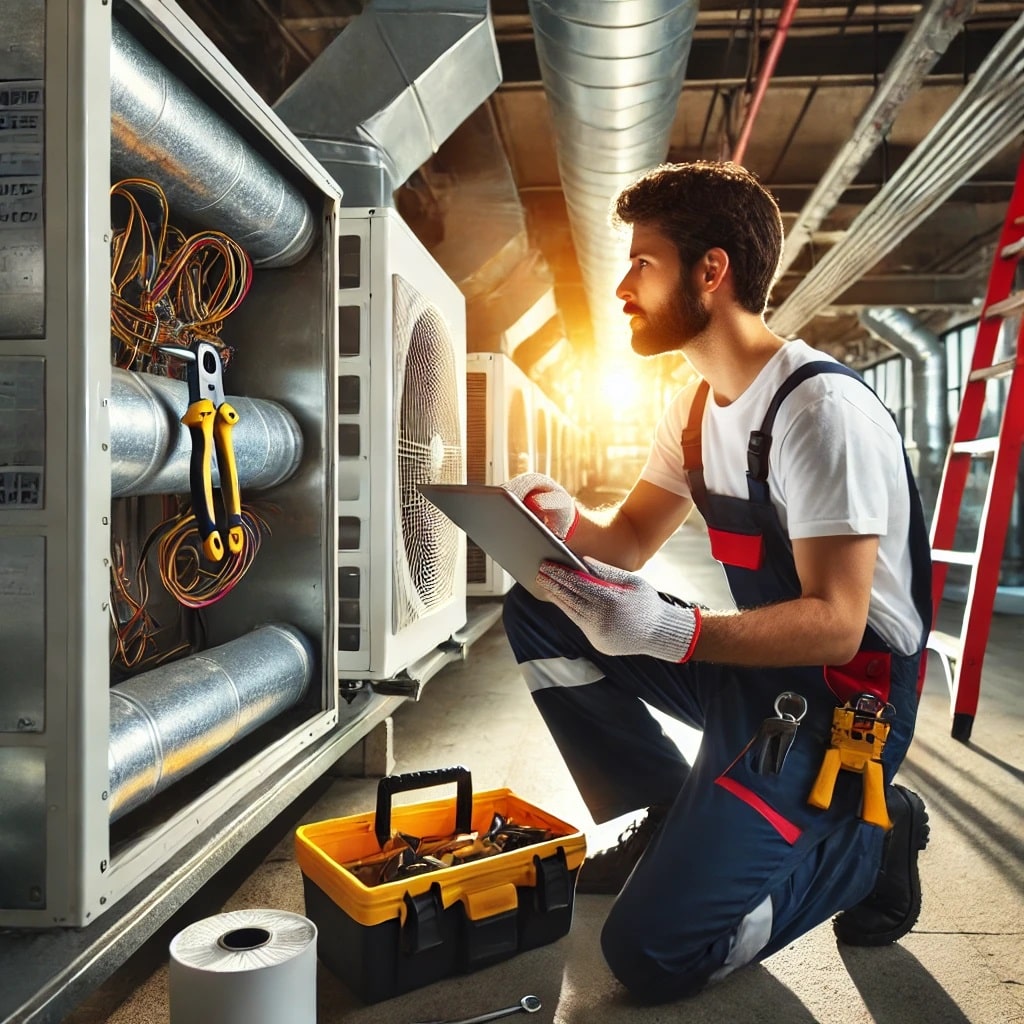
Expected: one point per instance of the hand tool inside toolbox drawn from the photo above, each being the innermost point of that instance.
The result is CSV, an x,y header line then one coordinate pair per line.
x,y
393,936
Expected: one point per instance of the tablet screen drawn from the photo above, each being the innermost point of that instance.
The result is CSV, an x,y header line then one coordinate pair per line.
x,y
499,523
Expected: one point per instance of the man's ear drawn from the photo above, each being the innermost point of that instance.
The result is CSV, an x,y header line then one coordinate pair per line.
x,y
712,269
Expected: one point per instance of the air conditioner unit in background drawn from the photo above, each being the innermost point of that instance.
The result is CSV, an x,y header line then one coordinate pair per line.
x,y
401,401
500,445
542,412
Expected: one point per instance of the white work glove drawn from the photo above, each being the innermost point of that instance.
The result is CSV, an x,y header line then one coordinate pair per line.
x,y
620,612
548,500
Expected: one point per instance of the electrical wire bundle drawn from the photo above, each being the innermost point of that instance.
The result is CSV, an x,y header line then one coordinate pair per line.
x,y
169,289
166,288
185,572
136,632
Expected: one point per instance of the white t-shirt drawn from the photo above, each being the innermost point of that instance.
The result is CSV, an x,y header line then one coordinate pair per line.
x,y
836,467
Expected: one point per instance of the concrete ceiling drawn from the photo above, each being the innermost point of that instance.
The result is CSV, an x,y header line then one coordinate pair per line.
x,y
835,54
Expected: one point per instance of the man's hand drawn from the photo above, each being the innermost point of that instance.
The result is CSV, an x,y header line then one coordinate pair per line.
x,y
547,500
620,613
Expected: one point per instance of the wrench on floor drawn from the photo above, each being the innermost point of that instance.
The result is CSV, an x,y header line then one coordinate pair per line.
x,y
528,1004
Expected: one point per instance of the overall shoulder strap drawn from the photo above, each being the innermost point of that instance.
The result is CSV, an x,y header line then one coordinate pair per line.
x,y
760,443
758,451
693,457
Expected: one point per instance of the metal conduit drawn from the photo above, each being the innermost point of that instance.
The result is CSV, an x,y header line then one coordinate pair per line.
x,y
161,130
898,329
612,71
167,722
151,449
986,117
764,77
936,25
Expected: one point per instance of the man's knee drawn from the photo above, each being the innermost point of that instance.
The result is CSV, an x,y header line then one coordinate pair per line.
x,y
634,961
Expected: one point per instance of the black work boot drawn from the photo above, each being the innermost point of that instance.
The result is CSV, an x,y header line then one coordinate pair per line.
x,y
606,872
892,908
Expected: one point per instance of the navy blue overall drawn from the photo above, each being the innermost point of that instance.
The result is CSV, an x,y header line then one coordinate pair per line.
x,y
742,865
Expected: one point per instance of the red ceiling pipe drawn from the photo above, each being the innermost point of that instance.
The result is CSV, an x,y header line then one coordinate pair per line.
x,y
763,78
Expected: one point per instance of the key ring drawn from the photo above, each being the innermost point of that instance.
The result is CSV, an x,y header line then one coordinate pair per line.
x,y
793,700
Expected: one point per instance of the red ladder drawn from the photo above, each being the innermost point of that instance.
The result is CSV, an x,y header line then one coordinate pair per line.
x,y
962,656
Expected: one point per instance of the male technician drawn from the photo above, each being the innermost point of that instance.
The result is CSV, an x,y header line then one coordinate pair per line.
x,y
801,477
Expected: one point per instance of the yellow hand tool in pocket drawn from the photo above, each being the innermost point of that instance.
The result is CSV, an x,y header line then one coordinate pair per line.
x,y
210,420
859,731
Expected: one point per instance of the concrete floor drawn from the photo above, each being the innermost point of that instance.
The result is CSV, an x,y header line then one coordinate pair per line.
x,y
963,962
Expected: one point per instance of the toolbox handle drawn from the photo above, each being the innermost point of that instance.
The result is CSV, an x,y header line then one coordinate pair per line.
x,y
391,784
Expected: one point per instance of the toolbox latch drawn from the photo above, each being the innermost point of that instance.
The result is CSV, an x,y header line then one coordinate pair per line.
x,y
492,925
423,916
553,889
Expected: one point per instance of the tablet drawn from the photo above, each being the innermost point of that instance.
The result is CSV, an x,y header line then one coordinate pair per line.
x,y
499,523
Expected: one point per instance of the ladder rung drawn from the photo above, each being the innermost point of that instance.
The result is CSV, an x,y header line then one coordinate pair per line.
x,y
1003,369
979,446
1012,249
954,557
1010,304
946,644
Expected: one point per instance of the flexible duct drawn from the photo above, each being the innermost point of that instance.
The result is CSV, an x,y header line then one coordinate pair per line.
x,y
167,722
985,118
162,131
150,448
898,329
377,103
612,71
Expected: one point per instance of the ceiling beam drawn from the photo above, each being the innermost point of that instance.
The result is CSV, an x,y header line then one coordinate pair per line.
x,y
904,291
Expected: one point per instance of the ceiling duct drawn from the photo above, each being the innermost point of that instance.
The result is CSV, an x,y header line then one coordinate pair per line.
x,y
937,24
380,100
985,118
612,72
901,331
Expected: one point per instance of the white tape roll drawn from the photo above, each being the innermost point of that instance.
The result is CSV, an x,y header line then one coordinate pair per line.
x,y
244,967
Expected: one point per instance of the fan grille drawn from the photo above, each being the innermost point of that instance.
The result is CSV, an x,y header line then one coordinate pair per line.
x,y
476,428
430,450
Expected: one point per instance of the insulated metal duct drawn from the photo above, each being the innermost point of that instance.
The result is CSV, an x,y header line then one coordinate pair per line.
x,y
985,118
612,71
163,131
167,722
898,329
377,103
934,28
151,449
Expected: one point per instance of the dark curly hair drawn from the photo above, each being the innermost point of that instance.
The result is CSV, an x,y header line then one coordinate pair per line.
x,y
707,204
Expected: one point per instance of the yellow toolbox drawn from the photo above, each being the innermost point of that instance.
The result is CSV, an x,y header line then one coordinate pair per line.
x,y
395,936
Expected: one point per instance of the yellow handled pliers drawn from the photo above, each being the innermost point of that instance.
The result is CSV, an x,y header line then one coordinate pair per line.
x,y
210,420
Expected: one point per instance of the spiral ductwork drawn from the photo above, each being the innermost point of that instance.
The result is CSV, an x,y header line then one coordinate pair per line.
x,y
612,71
161,130
167,722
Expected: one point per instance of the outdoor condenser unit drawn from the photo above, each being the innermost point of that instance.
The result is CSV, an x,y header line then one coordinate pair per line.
x,y
499,403
401,579
100,785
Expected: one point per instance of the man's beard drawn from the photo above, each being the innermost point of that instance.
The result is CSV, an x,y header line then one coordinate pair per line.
x,y
673,326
